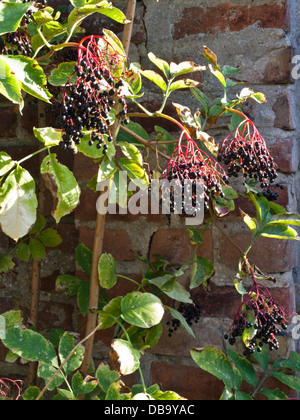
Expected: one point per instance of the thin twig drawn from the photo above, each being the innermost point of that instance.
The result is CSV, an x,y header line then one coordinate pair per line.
x,y
36,265
100,228
144,142
66,361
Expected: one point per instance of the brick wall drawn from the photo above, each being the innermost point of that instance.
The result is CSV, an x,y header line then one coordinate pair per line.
x,y
260,37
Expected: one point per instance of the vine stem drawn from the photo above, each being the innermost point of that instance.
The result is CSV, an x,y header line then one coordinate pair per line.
x,y
66,361
36,265
100,228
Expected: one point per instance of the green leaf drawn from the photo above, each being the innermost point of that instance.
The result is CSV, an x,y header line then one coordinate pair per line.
x,y
62,185
217,74
114,393
129,358
216,363
23,251
31,393
50,30
50,238
161,64
43,16
230,71
11,15
250,222
114,41
55,336
135,172
202,98
131,152
107,169
142,309
84,257
6,264
6,163
153,335
66,345
195,236
286,218
274,394
106,376
245,368
69,283
289,380
242,396
107,271
278,231
93,151
185,68
155,78
110,313
83,296
118,189
79,386
39,225
183,322
78,3
18,204
262,358
10,87
29,74
104,7
249,333
49,136
46,372
30,345
63,75
183,84
166,396
135,128
37,249
203,270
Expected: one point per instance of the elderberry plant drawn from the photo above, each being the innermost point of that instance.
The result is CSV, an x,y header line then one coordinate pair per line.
x,y
88,93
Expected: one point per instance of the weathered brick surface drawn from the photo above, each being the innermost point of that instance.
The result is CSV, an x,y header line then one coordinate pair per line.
x,y
251,35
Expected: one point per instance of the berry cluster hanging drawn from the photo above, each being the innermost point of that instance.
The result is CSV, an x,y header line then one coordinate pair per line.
x,y
260,319
88,102
189,163
244,151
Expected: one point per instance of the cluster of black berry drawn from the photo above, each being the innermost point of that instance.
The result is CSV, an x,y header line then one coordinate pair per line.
x,y
270,194
264,318
190,311
87,104
254,161
191,178
244,151
16,43
194,173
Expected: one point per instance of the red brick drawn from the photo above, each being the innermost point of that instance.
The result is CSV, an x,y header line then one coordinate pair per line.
x,y
188,381
116,242
283,112
175,246
30,118
284,153
8,122
84,167
278,67
229,18
270,255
